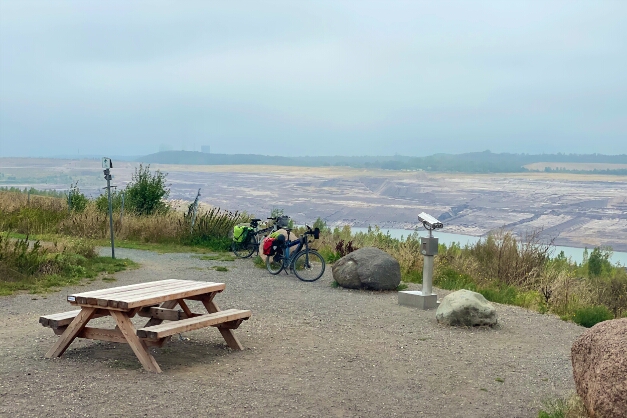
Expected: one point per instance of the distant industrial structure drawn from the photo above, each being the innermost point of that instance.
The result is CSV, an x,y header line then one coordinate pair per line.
x,y
206,149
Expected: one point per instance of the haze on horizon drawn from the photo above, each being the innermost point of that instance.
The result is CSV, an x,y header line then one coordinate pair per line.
x,y
313,78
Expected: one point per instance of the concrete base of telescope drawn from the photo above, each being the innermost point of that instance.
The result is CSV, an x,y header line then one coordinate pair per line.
x,y
416,299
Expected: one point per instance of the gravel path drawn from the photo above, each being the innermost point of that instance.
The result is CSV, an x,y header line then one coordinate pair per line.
x,y
310,350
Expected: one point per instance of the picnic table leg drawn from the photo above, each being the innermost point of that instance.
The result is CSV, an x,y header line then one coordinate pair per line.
x,y
137,345
72,330
227,334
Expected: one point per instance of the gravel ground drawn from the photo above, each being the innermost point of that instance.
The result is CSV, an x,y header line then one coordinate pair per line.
x,y
310,350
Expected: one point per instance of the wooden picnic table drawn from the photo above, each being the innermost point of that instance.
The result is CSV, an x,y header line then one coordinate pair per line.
x,y
155,300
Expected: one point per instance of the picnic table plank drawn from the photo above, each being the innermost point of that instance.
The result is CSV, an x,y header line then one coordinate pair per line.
x,y
162,297
124,298
90,297
190,324
111,298
112,290
63,319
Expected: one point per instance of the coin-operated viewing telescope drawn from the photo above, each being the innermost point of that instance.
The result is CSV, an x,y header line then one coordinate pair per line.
x,y
424,299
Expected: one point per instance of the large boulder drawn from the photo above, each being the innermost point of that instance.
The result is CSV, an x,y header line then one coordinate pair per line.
x,y
367,268
599,359
466,308
283,232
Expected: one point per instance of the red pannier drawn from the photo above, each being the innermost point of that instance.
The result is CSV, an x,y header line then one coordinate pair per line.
x,y
267,246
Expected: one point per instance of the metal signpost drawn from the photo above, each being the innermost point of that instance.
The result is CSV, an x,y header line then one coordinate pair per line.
x,y
424,299
107,164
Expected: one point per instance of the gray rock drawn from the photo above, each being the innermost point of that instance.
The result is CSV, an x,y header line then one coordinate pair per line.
x,y
466,308
367,268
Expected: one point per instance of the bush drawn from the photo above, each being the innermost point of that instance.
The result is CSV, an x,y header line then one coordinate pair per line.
x,y
102,202
591,315
76,200
146,191
449,279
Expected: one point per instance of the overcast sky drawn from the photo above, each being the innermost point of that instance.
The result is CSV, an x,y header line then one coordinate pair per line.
x,y
313,77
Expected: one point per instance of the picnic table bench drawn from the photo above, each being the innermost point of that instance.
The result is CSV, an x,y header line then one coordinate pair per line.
x,y
154,300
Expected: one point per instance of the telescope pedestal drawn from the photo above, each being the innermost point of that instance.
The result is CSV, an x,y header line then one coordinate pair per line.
x,y
416,299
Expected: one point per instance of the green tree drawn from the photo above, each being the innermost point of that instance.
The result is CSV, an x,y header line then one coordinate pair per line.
x,y
76,200
146,191
599,262
321,224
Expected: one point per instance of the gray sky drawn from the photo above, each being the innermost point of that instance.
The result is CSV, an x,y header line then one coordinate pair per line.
x,y
313,77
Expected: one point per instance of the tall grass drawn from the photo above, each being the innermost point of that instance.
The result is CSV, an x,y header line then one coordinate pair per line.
x,y
31,266
507,269
48,215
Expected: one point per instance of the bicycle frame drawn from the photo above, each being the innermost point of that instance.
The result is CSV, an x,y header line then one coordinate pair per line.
x,y
288,256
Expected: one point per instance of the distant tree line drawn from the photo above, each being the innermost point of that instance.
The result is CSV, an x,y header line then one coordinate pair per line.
x,y
473,162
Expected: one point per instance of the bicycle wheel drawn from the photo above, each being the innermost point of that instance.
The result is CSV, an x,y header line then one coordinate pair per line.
x,y
309,266
274,263
244,249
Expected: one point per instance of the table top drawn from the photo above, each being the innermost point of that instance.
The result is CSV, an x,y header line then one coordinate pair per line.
x,y
143,294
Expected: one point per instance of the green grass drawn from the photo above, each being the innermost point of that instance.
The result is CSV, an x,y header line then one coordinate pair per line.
x,y
554,409
414,276
401,286
220,268
82,268
109,279
216,257
450,279
498,379
259,263
335,284
161,248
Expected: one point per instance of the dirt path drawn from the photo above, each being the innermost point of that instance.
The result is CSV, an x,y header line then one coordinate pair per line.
x,y
310,350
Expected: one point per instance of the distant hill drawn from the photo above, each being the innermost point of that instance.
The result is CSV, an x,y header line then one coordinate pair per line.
x,y
200,158
473,162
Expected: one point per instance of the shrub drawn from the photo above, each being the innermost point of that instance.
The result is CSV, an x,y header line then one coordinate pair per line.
x,y
19,259
507,295
76,200
612,291
449,279
146,191
591,315
102,202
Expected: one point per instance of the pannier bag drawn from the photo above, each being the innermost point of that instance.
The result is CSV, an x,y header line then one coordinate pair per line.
x,y
273,245
240,233
268,243
283,221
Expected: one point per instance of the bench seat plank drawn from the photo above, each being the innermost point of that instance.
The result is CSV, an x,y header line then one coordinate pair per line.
x,y
62,319
190,324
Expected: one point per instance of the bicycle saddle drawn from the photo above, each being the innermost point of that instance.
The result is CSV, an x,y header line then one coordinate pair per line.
x,y
255,220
